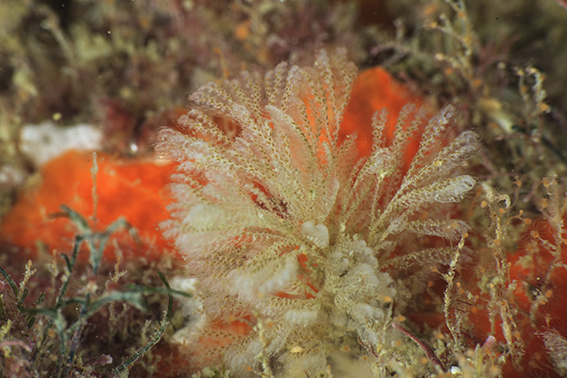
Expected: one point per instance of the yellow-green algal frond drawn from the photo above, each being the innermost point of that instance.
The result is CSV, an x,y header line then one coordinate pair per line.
x,y
287,232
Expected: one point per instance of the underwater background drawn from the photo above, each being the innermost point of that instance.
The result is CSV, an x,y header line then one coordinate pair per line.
x,y
101,102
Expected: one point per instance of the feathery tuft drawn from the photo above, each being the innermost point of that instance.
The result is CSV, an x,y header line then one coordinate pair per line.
x,y
278,223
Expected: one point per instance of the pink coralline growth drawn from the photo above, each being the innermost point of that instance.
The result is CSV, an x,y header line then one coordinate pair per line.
x,y
305,242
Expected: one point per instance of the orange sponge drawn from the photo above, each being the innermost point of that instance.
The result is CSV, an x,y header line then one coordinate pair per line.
x,y
134,190
373,90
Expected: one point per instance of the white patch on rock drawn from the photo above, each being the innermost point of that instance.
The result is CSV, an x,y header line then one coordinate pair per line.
x,y
41,143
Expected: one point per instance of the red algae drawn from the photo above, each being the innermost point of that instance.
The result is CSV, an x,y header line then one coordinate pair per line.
x,y
135,190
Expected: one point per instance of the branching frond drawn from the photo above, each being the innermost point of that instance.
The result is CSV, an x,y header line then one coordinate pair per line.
x,y
280,222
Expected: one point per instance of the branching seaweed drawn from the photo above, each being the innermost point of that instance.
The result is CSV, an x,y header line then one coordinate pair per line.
x,y
57,330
